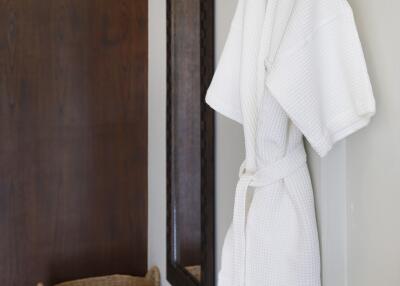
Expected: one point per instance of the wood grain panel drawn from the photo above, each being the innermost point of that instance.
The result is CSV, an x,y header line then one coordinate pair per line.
x,y
73,139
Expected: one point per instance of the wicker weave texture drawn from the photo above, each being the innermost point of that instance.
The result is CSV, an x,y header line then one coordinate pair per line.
x,y
152,279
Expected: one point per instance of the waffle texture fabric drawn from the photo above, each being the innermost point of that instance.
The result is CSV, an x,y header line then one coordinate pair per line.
x,y
290,69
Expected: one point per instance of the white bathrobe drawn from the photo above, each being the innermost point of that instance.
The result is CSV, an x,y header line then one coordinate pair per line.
x,y
289,68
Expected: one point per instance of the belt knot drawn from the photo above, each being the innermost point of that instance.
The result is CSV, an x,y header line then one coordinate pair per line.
x,y
261,178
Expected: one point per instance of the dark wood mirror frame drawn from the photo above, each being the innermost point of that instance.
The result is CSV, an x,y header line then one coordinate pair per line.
x,y
190,62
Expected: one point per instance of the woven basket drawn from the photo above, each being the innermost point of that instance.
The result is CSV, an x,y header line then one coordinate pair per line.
x,y
152,279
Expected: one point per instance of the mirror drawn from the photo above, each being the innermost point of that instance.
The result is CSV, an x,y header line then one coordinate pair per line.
x,y
190,143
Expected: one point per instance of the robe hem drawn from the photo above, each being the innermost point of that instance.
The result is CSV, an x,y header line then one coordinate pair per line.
x,y
342,127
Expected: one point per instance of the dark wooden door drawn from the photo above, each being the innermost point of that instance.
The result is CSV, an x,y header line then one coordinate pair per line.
x,y
73,139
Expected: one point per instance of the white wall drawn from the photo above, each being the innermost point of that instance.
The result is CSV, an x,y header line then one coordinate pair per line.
x,y
329,183
157,139
373,155
229,139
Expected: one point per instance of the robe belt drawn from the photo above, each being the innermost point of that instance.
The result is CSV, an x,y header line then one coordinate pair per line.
x,y
261,178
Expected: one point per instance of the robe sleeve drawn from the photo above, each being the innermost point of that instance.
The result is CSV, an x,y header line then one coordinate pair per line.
x,y
223,94
323,85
